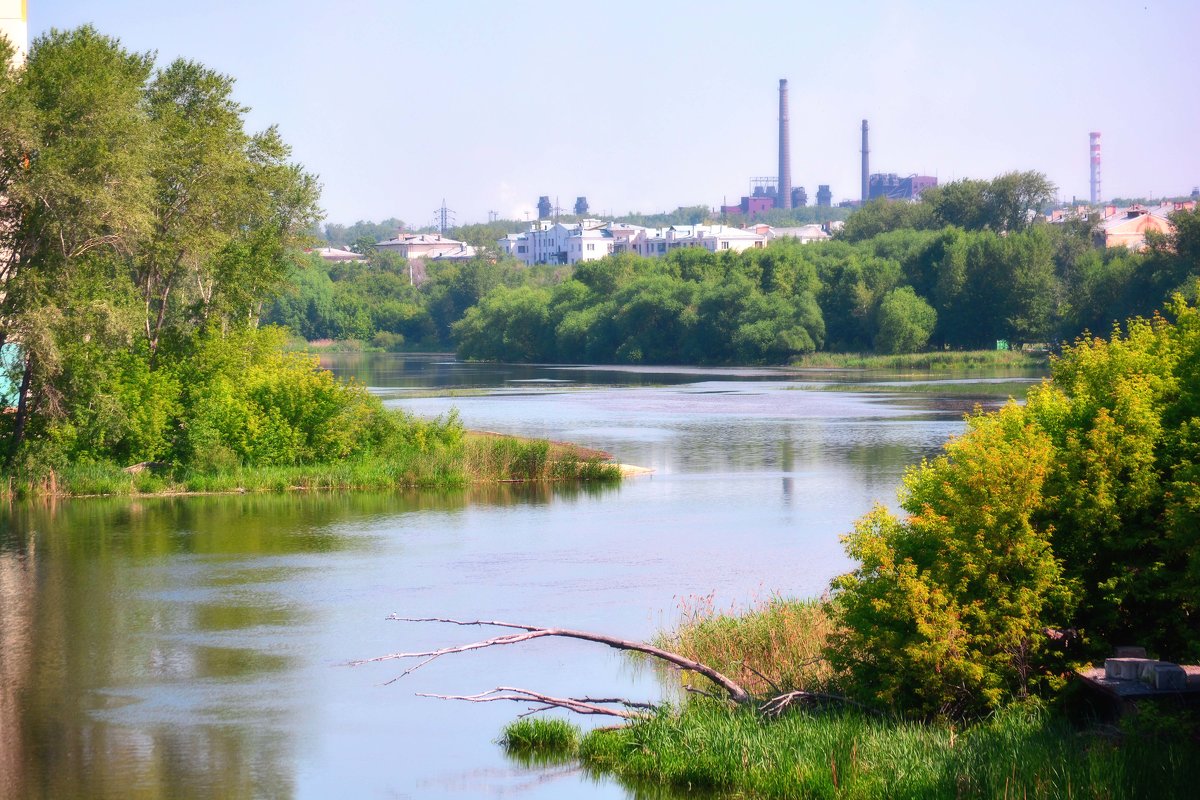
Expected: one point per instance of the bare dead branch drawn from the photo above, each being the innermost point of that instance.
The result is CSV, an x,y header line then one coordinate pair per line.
x,y
732,689
777,705
577,705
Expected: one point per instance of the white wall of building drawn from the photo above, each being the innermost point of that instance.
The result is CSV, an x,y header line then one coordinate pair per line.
x,y
14,24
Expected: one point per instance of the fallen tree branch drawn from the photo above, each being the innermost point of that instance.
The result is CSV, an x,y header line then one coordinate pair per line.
x,y
733,690
579,705
628,709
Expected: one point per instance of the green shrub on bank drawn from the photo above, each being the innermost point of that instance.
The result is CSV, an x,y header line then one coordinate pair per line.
x,y
1075,511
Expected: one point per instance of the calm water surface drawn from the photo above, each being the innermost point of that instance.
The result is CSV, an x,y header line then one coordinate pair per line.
x,y
193,647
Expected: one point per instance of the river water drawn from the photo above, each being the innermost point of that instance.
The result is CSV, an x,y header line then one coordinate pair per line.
x,y
196,647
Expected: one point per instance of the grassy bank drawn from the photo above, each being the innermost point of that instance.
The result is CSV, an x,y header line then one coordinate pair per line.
x,y
937,361
1021,753
479,458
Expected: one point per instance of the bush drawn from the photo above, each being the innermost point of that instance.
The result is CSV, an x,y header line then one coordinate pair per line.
x,y
946,612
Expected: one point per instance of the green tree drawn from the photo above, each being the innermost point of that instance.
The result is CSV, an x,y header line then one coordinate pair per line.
x,y
136,206
76,152
882,216
905,322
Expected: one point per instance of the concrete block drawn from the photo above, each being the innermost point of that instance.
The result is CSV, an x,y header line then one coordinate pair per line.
x,y
1125,669
1169,676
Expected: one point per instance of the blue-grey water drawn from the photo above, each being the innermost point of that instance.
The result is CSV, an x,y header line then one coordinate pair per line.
x,y
195,647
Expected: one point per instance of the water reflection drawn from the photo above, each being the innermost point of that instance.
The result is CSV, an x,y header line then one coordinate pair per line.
x,y
141,641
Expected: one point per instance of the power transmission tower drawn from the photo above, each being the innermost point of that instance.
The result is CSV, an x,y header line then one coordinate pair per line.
x,y
493,216
443,217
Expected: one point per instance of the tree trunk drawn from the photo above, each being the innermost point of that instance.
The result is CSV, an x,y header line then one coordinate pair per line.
x,y
19,423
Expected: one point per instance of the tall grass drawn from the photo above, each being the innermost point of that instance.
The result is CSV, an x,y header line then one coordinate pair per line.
x,y
773,646
507,458
1023,752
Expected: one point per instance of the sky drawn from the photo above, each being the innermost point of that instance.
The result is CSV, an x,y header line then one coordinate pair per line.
x,y
646,106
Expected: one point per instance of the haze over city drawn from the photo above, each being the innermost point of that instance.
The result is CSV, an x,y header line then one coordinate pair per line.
x,y
646,107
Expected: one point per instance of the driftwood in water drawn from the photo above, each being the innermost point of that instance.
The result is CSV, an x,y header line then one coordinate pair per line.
x,y
731,690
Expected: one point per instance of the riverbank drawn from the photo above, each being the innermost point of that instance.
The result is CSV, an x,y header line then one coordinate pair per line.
x,y
936,361
481,457
831,748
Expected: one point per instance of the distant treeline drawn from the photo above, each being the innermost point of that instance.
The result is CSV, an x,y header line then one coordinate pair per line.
x,y
969,265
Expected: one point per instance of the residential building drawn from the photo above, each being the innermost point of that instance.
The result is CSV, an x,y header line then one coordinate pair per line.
x,y
427,246
588,240
801,233
337,255
549,242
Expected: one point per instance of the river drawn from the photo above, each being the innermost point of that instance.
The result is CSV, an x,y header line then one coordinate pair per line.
x,y
196,647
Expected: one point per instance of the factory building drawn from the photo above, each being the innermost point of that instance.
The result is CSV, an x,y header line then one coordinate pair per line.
x,y
893,187
1127,227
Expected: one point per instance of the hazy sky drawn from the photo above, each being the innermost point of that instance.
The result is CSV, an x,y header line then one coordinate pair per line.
x,y
645,106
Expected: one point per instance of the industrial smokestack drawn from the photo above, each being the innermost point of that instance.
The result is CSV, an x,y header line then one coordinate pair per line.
x,y
784,198
866,166
1095,152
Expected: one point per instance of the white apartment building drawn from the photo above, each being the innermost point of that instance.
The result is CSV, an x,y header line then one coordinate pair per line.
x,y
549,242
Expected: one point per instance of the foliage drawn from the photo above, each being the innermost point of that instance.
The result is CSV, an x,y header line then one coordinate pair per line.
x,y
1078,510
946,611
362,232
691,306
1122,414
138,212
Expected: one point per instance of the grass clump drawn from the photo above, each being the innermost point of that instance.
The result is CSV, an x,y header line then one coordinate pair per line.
x,y
552,736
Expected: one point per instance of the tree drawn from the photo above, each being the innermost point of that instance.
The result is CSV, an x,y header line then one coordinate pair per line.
x,y
905,322
76,155
135,204
882,216
1080,509
1005,203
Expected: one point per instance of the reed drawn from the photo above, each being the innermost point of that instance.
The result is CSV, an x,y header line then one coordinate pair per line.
x,y
774,646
